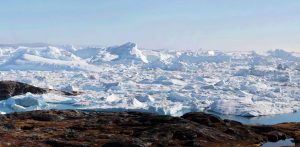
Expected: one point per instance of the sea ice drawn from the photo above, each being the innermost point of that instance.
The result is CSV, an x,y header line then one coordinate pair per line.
x,y
126,77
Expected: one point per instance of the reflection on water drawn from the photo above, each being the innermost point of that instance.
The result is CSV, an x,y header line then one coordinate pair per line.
x,y
280,143
268,120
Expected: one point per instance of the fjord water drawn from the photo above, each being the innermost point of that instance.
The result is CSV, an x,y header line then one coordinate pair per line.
x,y
280,143
266,120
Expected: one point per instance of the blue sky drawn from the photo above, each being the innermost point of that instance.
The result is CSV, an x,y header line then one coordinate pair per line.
x,y
174,24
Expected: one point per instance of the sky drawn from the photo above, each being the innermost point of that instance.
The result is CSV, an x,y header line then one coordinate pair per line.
x,y
168,24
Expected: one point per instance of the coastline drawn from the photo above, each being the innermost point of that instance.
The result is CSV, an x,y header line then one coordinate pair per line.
x,y
94,128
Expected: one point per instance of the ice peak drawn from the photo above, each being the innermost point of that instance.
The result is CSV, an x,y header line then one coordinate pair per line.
x,y
129,45
128,51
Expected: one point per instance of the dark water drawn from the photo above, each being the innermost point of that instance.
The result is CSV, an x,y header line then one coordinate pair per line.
x,y
267,120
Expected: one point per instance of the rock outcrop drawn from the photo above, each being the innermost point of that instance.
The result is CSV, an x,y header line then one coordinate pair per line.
x,y
124,129
12,88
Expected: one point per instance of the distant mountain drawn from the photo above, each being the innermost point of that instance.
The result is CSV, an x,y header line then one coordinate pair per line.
x,y
26,45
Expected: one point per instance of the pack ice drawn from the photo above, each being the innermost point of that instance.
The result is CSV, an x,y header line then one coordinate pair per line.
x,y
125,77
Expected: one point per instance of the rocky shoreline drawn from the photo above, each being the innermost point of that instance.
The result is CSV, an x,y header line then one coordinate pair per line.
x,y
109,129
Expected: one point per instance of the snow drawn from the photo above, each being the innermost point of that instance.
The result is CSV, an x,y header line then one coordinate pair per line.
x,y
128,51
70,88
48,58
126,77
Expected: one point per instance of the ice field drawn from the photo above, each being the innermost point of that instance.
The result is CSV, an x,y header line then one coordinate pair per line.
x,y
126,77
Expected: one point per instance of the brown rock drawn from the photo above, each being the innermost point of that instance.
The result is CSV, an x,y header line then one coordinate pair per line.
x,y
77,128
12,88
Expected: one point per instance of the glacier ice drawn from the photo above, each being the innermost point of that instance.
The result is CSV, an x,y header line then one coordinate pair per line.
x,y
126,77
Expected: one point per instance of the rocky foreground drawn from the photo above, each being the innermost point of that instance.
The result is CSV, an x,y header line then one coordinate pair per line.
x,y
137,129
